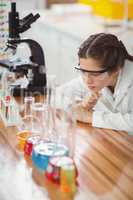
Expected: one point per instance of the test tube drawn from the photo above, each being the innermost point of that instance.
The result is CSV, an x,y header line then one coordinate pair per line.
x,y
28,103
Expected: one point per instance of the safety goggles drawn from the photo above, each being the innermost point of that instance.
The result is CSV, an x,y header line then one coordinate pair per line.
x,y
91,73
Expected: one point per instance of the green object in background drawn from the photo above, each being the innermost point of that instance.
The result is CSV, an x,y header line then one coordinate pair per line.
x,y
2,4
1,17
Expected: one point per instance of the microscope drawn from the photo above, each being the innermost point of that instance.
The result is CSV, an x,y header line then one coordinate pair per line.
x,y
34,70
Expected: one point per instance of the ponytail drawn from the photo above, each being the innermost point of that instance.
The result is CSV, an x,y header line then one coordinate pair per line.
x,y
127,55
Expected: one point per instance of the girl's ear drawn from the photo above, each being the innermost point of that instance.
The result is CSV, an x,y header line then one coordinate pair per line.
x,y
118,70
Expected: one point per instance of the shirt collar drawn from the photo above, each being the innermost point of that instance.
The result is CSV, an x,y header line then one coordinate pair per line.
x,y
125,78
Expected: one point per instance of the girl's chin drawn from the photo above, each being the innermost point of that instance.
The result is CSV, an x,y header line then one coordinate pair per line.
x,y
94,89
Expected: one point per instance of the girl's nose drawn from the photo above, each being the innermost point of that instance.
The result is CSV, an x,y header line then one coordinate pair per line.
x,y
89,80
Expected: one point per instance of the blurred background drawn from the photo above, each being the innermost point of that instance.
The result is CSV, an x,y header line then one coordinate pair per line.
x,y
64,24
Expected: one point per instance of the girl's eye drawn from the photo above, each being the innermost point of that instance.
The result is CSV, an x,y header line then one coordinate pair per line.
x,y
95,75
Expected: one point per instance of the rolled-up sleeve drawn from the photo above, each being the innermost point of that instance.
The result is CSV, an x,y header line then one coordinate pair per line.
x,y
70,92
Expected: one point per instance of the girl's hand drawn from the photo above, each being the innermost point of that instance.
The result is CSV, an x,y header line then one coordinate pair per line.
x,y
90,102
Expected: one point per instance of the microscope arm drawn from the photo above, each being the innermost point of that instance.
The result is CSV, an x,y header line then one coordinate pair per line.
x,y
37,55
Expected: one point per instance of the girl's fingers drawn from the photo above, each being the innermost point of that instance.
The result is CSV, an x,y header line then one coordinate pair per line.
x,y
91,100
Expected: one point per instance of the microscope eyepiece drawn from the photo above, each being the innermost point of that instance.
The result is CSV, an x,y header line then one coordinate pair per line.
x,y
27,21
13,22
29,16
13,7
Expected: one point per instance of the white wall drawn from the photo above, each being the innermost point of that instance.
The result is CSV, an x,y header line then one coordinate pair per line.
x,y
23,5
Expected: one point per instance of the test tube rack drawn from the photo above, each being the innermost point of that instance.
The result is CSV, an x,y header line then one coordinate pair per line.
x,y
9,111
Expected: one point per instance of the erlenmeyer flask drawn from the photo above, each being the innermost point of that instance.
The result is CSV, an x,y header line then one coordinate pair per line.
x,y
39,111
66,126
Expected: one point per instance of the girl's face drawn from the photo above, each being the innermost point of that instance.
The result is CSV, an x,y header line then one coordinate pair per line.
x,y
95,81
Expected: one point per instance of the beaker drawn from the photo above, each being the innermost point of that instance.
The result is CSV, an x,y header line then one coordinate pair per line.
x,y
28,127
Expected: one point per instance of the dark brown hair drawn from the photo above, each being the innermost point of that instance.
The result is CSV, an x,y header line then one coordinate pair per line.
x,y
107,49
